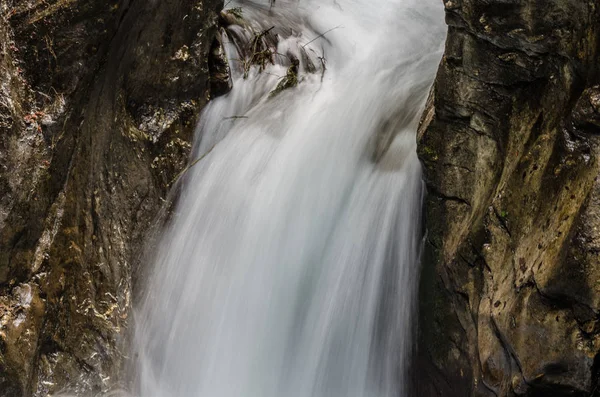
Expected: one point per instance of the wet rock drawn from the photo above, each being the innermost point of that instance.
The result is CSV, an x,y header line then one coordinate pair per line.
x,y
509,144
98,104
220,80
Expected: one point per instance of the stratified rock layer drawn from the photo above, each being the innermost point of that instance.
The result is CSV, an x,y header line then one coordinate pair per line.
x,y
510,293
98,103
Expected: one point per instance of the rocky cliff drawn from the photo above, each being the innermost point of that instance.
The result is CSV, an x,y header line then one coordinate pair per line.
x,y
510,293
98,103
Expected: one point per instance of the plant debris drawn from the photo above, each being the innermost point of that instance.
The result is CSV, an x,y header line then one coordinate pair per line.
x,y
260,53
290,80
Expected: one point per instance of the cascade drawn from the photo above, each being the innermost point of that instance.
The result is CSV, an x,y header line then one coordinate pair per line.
x,y
290,265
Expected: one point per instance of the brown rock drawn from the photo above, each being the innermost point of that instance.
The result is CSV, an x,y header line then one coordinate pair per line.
x,y
98,104
509,147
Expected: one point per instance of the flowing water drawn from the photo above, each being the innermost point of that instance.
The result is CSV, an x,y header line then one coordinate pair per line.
x,y
291,264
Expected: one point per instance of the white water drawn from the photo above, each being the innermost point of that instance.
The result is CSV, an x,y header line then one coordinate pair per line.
x,y
290,267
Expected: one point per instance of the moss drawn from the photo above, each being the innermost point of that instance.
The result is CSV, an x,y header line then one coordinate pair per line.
x,y
290,80
430,153
236,12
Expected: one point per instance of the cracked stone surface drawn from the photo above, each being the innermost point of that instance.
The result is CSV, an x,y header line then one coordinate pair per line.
x,y
510,293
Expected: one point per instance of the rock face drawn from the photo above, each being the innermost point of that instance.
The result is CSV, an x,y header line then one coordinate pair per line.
x,y
510,293
98,104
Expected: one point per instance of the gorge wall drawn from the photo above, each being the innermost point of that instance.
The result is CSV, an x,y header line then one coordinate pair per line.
x,y
510,293
98,104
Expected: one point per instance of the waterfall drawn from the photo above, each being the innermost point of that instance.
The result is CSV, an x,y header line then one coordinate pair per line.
x,y
290,265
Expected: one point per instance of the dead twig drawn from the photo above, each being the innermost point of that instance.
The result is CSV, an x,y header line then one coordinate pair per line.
x,y
234,117
323,64
258,57
322,35
193,163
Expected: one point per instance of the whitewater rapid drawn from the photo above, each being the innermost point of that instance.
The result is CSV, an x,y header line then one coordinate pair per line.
x,y
290,266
